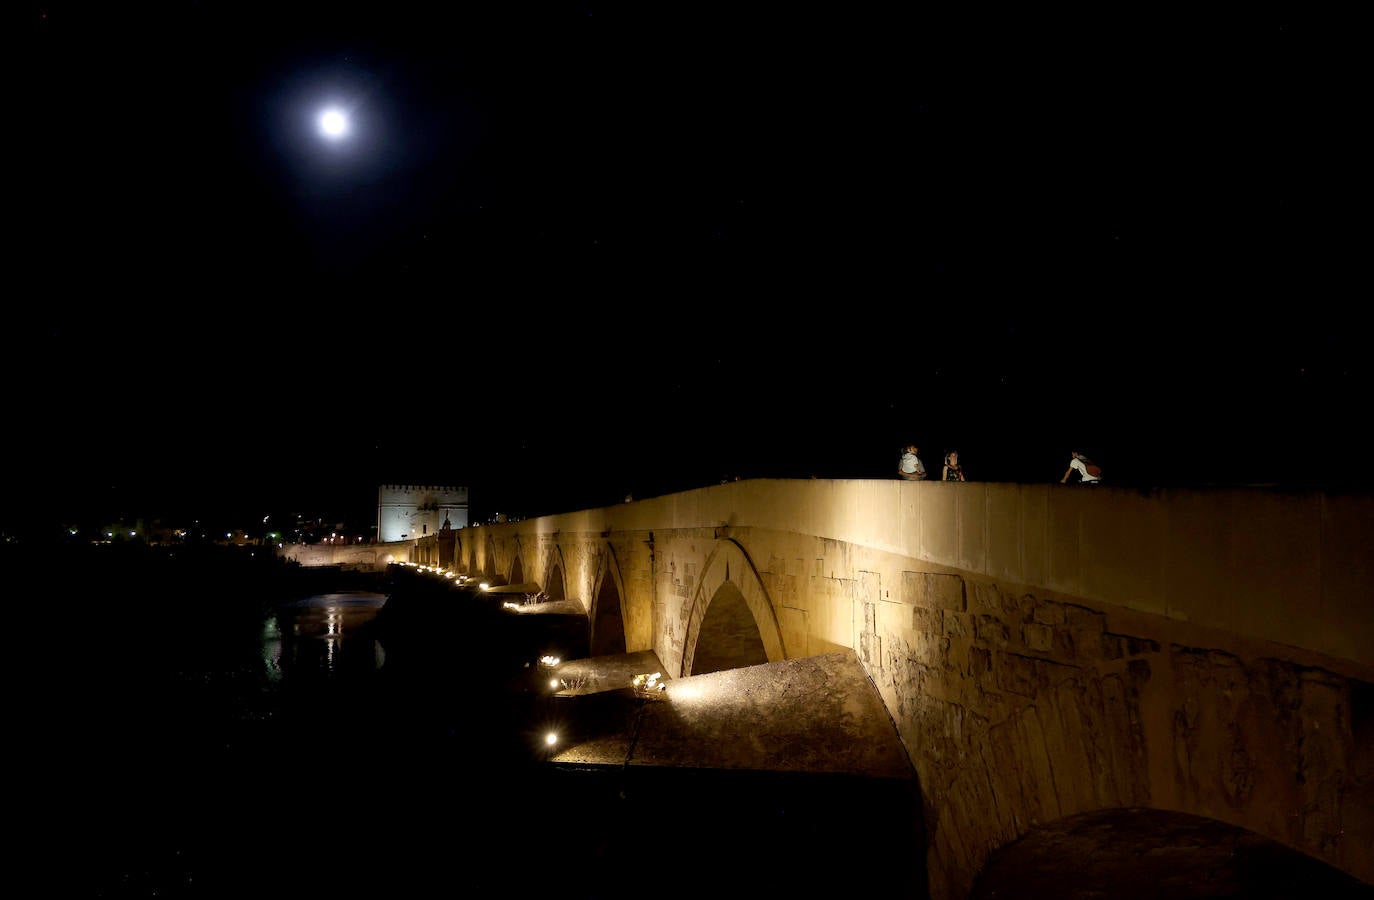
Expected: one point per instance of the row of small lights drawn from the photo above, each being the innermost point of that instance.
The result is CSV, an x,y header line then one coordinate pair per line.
x,y
648,683
452,576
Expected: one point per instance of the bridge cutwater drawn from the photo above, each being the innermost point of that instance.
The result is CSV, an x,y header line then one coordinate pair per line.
x,y
1027,657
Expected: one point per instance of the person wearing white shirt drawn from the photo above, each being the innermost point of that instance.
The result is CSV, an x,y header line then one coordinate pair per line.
x,y
911,468
1079,463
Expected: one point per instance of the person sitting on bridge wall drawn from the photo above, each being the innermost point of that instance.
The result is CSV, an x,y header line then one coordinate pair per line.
x,y
1088,472
952,470
911,468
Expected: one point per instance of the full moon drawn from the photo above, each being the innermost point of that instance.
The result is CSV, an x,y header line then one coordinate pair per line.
x,y
333,123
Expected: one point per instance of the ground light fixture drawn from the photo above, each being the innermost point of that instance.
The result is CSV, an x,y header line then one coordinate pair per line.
x,y
548,663
648,683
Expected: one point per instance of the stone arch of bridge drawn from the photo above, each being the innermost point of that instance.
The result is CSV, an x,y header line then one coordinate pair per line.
x,y
1129,852
489,560
554,582
516,569
1083,739
729,577
607,617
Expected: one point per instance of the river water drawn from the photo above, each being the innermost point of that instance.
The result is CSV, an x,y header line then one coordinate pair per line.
x,y
202,728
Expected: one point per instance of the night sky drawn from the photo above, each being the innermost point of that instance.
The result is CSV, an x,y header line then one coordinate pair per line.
x,y
573,251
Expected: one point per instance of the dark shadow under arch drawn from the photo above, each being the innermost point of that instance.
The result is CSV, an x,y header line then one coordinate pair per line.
x,y
1146,854
608,628
517,572
729,636
489,564
553,583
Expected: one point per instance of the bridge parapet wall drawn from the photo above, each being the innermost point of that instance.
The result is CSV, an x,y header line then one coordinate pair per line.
x,y
1289,567
363,557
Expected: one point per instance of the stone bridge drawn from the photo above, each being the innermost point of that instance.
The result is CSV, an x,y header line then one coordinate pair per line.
x,y
1044,651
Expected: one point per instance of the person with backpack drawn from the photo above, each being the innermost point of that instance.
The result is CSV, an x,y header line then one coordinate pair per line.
x,y
1088,471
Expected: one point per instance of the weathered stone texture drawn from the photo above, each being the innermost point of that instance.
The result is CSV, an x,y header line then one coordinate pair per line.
x,y
933,590
1243,730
